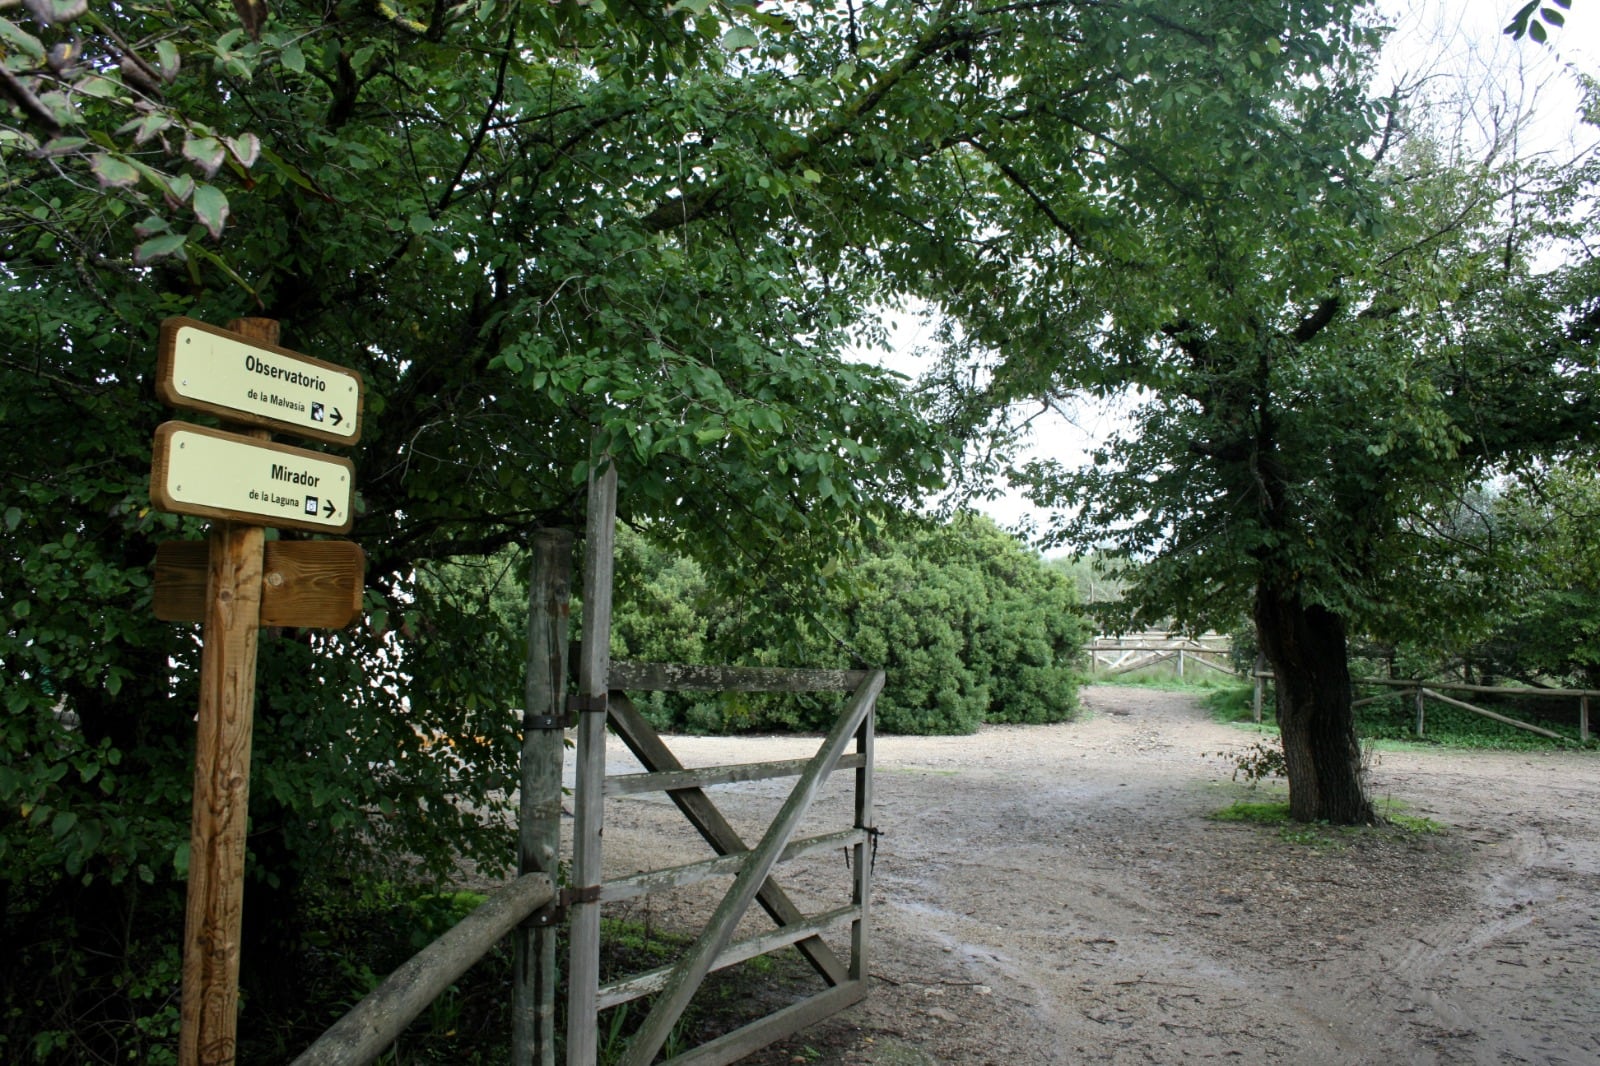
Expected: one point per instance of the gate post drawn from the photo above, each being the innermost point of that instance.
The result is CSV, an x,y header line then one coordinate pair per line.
x,y
594,668
533,1009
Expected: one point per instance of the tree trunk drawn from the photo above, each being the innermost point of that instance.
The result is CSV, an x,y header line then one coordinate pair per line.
x,y
1306,645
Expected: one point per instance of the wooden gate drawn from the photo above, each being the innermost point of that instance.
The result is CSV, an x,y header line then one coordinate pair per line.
x,y
602,700
527,909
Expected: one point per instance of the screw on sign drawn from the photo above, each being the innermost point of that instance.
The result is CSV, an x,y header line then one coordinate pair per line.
x,y
245,482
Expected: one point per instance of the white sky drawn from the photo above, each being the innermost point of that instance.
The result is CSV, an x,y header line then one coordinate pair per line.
x,y
1459,46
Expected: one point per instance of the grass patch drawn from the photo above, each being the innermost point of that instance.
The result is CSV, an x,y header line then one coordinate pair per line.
x,y
1274,814
1167,682
1254,812
1232,703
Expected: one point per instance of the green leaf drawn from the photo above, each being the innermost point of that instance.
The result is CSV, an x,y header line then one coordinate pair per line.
x,y
112,172
167,56
17,37
211,208
62,823
168,244
13,518
207,153
292,58
739,37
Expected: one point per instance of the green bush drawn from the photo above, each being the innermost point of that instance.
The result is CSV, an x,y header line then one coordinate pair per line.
x,y
970,625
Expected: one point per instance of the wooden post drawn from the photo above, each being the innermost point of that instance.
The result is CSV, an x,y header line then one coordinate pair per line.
x,y
533,1012
594,667
865,853
1421,714
1261,665
208,1017
1583,718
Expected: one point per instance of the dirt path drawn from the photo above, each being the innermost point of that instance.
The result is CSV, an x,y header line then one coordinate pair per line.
x,y
1058,894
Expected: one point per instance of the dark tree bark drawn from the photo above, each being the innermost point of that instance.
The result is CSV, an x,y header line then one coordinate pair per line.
x,y
1307,647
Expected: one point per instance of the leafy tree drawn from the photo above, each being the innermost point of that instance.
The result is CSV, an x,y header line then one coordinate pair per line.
x,y
1328,347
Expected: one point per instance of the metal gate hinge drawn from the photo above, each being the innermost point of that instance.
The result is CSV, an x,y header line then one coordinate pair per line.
x,y
555,912
578,703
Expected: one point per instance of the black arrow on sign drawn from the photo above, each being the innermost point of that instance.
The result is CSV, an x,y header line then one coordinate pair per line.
x,y
337,417
328,509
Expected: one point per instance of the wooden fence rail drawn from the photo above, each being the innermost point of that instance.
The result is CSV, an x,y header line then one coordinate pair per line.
x,y
1113,655
1421,691
378,1020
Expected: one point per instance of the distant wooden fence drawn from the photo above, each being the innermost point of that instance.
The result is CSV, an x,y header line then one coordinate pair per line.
x,y
1422,691
1121,654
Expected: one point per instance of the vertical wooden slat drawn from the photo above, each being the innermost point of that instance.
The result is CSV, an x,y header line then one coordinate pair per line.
x,y
1255,706
583,971
1583,718
865,852
539,803
213,916
1421,713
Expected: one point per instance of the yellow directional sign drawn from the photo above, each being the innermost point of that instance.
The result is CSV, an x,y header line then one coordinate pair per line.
x,y
203,368
207,472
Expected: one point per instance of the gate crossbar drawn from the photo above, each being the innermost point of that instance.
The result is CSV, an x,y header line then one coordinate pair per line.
x,y
753,882
652,981
671,877
671,780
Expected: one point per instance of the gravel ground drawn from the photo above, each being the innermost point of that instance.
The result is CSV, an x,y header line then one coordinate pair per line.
x,y
1056,894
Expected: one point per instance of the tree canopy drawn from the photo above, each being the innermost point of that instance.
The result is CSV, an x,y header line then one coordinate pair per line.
x,y
544,232
1322,366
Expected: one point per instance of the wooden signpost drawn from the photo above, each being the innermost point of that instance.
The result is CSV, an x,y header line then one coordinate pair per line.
x,y
236,582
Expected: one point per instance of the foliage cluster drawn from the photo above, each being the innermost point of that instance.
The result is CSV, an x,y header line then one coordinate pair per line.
x,y
970,625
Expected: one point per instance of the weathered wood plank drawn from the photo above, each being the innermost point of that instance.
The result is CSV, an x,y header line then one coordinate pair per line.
x,y
691,970
214,912
679,677
693,873
374,1023
304,583
214,907
731,1047
648,747
866,850
652,981
701,777
583,972
533,1005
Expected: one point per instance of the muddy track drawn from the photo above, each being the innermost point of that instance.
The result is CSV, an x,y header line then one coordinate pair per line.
x,y
1060,894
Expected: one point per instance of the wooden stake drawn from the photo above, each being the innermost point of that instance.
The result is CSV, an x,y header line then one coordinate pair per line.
x,y
583,971
209,1014
533,1012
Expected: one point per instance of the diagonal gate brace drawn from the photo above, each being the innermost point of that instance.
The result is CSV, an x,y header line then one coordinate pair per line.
x,y
697,807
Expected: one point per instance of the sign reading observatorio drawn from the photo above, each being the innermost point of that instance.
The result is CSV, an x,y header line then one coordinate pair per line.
x,y
203,368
